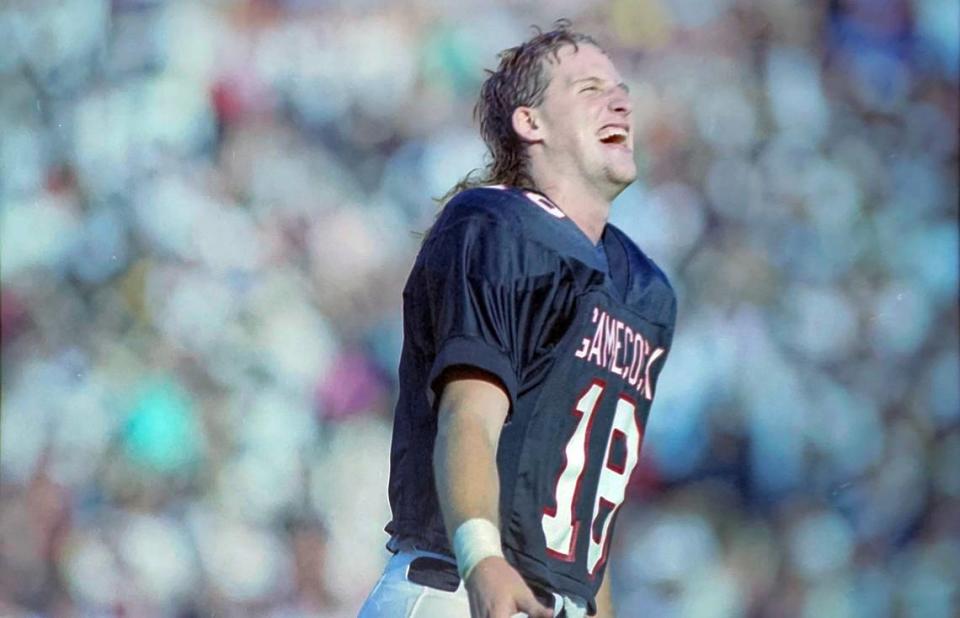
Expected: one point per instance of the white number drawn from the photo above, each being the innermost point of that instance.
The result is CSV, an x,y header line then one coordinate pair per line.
x,y
559,528
612,488
545,204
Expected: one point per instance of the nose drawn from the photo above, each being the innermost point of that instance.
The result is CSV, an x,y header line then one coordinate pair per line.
x,y
620,102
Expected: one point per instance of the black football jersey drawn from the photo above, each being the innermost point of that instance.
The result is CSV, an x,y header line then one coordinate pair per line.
x,y
577,335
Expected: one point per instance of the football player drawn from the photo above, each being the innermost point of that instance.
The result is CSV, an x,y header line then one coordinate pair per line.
x,y
534,333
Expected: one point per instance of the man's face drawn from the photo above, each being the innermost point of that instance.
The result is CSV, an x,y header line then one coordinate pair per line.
x,y
586,114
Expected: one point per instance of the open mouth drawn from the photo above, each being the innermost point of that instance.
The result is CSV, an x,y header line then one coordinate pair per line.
x,y
614,139
615,135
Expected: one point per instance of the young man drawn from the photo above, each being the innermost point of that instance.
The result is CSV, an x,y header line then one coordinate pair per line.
x,y
534,333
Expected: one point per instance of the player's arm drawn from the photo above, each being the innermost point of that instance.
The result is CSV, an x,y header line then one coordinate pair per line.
x,y
472,410
605,597
471,413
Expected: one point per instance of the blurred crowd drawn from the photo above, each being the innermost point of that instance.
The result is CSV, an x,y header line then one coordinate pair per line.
x,y
208,210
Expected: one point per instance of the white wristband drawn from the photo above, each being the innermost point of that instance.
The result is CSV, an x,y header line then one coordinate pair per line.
x,y
473,541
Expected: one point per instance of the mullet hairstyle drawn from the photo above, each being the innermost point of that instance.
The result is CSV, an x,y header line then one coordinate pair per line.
x,y
520,81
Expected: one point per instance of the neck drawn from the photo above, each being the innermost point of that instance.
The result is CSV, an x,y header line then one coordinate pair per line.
x,y
587,207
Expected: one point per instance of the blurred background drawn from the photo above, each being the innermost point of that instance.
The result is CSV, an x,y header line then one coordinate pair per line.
x,y
208,211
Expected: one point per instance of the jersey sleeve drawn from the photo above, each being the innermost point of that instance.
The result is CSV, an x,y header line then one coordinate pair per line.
x,y
480,285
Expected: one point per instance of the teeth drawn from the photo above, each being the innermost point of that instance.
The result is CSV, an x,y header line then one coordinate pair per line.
x,y
614,132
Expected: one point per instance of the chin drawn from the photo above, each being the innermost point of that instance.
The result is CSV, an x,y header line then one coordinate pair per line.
x,y
622,177
615,186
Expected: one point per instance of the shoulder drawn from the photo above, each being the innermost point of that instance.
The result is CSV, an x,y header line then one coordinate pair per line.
x,y
488,229
483,207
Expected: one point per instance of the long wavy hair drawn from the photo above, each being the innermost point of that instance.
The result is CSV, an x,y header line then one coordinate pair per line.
x,y
520,80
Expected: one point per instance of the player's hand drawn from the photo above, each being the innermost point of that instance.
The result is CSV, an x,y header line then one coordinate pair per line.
x,y
496,590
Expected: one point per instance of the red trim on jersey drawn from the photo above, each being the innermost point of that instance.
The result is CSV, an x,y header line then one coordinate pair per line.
x,y
611,508
618,467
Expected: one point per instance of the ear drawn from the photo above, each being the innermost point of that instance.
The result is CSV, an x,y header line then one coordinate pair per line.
x,y
527,124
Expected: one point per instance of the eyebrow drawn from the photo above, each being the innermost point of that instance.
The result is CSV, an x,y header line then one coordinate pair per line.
x,y
623,86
